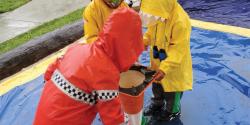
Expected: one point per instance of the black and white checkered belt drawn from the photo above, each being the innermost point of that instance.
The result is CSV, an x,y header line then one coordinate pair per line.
x,y
77,94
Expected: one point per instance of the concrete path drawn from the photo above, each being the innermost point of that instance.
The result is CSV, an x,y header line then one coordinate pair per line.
x,y
35,13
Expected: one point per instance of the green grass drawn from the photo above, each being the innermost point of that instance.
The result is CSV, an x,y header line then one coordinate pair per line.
x,y
8,5
40,30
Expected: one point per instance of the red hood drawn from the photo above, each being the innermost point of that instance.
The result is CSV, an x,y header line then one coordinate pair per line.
x,y
121,38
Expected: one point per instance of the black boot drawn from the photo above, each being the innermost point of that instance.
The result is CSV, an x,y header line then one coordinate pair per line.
x,y
172,109
167,116
157,101
152,110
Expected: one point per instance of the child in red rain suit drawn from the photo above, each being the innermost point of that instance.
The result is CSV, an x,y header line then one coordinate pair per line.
x,y
84,81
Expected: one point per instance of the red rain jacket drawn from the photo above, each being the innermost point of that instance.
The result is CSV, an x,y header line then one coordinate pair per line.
x,y
93,67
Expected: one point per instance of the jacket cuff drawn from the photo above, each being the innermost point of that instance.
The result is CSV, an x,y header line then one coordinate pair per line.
x,y
165,68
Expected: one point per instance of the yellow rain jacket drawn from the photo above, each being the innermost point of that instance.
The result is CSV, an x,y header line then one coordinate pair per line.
x,y
94,16
173,35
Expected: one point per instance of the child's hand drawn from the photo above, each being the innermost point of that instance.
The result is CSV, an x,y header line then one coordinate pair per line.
x,y
137,63
159,75
82,41
145,47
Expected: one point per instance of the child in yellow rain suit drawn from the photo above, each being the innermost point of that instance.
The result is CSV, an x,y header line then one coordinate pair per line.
x,y
95,15
168,35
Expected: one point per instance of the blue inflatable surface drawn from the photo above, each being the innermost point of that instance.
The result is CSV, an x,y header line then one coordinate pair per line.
x,y
220,96
232,12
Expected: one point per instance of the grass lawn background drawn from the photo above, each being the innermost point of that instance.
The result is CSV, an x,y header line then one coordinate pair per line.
x,y
40,30
8,5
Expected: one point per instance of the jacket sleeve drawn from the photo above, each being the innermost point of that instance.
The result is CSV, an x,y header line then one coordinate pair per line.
x,y
179,45
90,25
50,70
111,116
147,37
